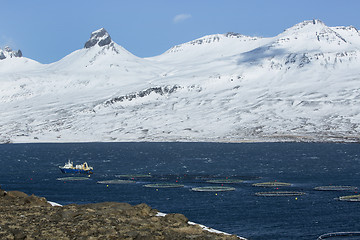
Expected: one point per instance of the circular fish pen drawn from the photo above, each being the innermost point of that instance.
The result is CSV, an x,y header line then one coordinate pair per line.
x,y
164,185
133,176
73,178
336,188
350,198
224,181
340,235
213,189
279,194
116,181
272,184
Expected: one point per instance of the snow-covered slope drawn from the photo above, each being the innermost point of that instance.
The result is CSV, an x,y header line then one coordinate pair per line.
x,y
302,84
13,61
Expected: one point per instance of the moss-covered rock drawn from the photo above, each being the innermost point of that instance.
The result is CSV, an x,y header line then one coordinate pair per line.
x,y
30,217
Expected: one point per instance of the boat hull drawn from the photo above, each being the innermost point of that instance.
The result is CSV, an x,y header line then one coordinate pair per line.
x,y
80,171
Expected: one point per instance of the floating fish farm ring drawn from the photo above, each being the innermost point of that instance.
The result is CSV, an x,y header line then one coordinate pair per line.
x,y
225,181
116,181
271,184
279,194
336,188
213,189
351,198
164,185
340,234
73,178
133,176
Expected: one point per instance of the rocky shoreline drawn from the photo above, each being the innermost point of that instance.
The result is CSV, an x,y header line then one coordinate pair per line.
x,y
31,217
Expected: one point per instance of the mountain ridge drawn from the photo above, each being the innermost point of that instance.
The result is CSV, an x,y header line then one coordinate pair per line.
x,y
301,85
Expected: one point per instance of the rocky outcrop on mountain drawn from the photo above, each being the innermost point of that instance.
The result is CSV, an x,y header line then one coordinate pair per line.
x,y
31,217
100,37
157,90
7,52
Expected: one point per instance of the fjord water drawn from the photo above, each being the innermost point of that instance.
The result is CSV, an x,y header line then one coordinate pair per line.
x,y
33,168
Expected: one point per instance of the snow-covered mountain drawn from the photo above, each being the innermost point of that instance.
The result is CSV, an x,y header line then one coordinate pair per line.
x,y
302,85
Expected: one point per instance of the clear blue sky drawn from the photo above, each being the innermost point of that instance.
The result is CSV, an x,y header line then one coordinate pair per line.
x,y
47,30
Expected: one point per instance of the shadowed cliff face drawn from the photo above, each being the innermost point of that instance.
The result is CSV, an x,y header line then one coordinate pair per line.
x,y
31,217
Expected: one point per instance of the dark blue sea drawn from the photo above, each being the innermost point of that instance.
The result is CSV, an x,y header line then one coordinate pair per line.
x,y
33,168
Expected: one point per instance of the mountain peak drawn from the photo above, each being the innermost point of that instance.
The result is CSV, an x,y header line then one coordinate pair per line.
x,y
8,52
316,21
100,37
313,24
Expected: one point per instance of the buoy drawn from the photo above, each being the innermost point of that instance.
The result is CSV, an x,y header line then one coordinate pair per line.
x,y
107,185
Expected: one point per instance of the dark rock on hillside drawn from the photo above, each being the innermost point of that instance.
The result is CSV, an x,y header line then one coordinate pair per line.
x,y
31,217
18,53
2,56
158,90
